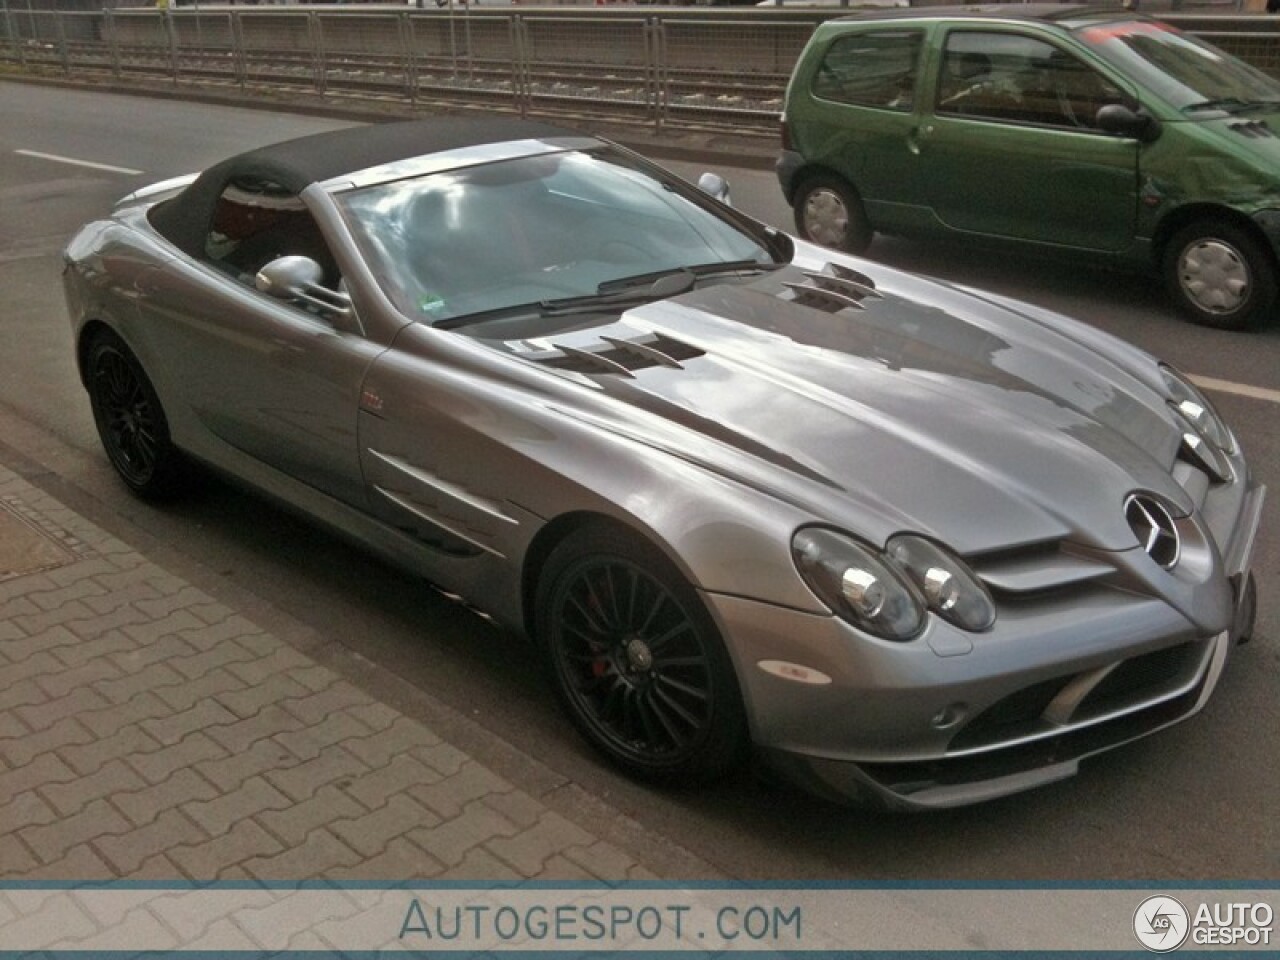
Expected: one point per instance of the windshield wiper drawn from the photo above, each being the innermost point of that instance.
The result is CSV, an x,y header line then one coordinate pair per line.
x,y
1229,104
627,290
736,266
666,284
649,287
698,271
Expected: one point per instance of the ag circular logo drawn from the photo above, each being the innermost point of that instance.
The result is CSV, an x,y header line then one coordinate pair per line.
x,y
1161,924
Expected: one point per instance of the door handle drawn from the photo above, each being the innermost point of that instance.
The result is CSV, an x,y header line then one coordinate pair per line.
x,y
917,134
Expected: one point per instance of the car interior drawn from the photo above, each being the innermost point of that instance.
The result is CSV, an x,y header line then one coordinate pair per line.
x,y
256,221
1027,82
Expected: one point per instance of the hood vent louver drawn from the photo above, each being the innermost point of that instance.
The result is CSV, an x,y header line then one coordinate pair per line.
x,y
1038,568
589,361
648,355
833,289
619,357
1254,129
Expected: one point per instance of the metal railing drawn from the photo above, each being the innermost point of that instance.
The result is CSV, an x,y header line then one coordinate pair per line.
x,y
666,68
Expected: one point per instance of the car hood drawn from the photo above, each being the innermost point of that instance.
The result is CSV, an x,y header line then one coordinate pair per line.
x,y
1259,126
1235,159
958,418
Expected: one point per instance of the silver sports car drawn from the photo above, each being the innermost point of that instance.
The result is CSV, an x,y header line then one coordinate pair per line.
x,y
918,545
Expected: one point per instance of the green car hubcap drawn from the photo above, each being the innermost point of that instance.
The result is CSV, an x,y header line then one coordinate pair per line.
x,y
1214,276
826,219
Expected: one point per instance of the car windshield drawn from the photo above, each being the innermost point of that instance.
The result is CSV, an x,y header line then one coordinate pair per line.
x,y
553,231
1188,73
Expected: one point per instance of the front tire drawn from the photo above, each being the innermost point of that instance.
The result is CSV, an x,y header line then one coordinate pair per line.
x,y
637,661
1220,275
829,212
130,420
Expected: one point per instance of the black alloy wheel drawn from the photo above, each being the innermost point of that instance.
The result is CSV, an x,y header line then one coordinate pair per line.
x,y
637,661
130,421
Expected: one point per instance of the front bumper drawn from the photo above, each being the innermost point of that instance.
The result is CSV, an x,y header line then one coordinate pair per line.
x,y
929,724
787,167
1006,768
1269,222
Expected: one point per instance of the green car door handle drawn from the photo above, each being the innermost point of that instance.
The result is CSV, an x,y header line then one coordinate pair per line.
x,y
916,135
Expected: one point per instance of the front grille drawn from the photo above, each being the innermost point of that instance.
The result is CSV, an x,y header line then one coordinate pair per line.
x,y
1017,715
913,777
1140,678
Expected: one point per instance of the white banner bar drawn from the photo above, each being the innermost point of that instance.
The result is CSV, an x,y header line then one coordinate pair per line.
x,y
698,919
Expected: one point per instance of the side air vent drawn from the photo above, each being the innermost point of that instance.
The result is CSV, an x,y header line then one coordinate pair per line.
x,y
617,356
1036,569
833,289
1253,129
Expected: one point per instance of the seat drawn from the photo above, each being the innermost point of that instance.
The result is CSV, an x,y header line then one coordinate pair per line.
x,y
963,71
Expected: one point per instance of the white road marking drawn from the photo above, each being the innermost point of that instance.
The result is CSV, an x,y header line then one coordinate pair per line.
x,y
1239,389
128,171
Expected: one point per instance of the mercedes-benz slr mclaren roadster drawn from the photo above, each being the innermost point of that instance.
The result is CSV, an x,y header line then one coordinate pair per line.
x,y
917,545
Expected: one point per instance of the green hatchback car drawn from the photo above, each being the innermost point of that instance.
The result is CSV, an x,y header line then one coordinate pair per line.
x,y
1104,134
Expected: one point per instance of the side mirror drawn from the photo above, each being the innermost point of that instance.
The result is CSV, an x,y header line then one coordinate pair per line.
x,y
1118,119
301,278
715,185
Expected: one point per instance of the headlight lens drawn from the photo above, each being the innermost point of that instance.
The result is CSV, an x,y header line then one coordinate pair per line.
x,y
857,585
950,589
1196,409
1207,454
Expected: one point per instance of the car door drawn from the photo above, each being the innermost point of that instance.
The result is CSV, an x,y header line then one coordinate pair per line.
x,y
270,378
1011,148
865,96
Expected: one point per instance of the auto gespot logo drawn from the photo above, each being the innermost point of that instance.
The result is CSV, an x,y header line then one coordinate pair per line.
x,y
1162,924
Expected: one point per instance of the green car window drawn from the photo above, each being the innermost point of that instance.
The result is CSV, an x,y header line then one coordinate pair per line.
x,y
876,69
1020,79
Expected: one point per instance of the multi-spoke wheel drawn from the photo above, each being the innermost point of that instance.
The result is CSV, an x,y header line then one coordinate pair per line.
x,y
637,660
828,211
1220,275
130,420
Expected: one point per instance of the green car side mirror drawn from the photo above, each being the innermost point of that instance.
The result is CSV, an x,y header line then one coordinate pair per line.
x,y
1121,120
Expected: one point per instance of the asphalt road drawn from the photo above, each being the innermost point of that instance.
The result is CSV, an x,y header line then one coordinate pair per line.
x,y
1197,802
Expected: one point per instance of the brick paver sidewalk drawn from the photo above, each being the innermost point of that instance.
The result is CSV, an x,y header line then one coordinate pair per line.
x,y
148,731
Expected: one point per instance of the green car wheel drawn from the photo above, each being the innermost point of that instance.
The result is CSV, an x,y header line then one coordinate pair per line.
x,y
1220,276
829,212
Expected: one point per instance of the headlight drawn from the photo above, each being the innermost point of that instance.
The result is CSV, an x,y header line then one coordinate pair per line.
x,y
1202,451
949,588
1196,409
857,585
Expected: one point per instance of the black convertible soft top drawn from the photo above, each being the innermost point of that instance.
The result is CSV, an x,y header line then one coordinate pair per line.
x,y
294,165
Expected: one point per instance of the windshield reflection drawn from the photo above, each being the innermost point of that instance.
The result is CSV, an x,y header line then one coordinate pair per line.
x,y
547,227
1179,68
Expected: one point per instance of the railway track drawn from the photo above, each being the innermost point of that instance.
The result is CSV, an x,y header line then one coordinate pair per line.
x,y
696,98
676,69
